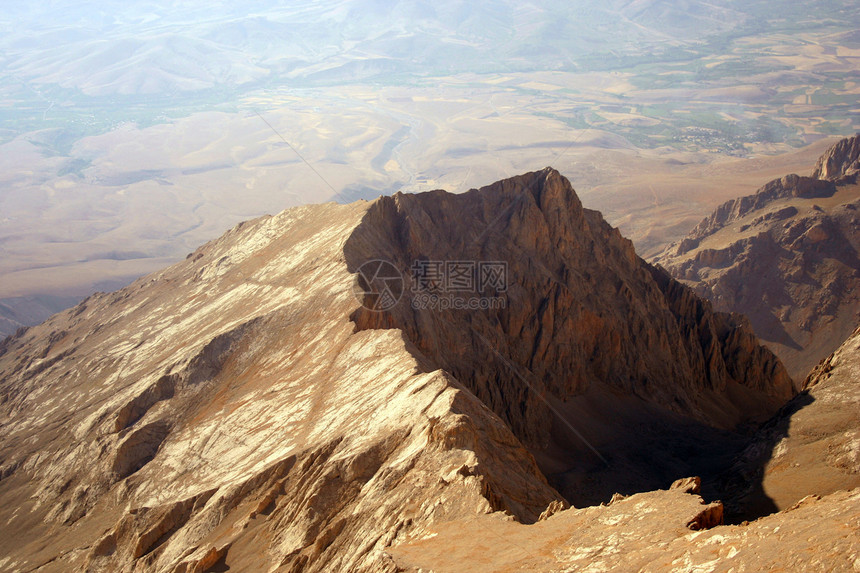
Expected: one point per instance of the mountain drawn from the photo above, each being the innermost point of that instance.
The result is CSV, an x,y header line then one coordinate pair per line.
x,y
135,124
788,257
224,409
163,48
17,312
286,398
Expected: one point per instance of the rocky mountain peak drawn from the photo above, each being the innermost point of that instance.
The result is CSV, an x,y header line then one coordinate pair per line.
x,y
788,257
581,309
840,163
582,321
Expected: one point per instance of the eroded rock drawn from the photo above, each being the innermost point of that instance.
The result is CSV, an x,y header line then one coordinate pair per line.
x,y
788,257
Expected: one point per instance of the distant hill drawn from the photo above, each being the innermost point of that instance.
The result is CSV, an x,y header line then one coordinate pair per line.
x,y
18,312
788,257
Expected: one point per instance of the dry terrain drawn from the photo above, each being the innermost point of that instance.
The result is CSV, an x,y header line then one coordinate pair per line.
x,y
787,256
243,409
130,136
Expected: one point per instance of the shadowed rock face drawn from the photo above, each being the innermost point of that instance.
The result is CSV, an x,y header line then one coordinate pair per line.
x,y
582,310
788,257
617,377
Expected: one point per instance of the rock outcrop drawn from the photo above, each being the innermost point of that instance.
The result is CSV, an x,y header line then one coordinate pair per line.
x,y
788,257
840,163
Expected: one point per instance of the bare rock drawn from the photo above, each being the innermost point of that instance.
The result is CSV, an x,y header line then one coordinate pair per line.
x,y
649,532
553,508
688,485
581,309
737,209
710,516
788,257
841,162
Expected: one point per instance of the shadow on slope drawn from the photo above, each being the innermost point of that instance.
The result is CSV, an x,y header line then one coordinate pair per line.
x,y
742,484
644,447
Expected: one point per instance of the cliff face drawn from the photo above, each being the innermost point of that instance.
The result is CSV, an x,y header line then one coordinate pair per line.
x,y
840,163
788,257
582,309
596,356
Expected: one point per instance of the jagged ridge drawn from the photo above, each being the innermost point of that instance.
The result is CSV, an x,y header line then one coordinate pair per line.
x,y
788,257
840,163
730,211
583,308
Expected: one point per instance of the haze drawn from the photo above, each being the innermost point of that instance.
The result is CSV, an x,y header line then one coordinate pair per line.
x,y
132,133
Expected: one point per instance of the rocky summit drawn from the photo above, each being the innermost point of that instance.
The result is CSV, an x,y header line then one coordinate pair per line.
x,y
788,257
593,341
386,386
